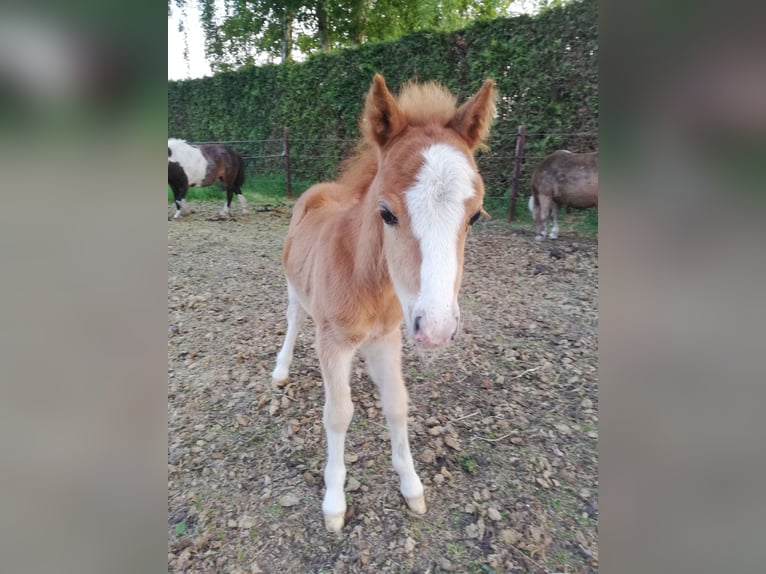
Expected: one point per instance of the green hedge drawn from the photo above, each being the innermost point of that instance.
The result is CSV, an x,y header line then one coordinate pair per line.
x,y
545,67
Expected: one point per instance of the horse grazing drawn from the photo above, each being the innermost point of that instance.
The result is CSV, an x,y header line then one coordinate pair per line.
x,y
562,178
384,243
201,166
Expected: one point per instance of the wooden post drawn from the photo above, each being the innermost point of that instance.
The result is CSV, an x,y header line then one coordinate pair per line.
x,y
521,135
288,180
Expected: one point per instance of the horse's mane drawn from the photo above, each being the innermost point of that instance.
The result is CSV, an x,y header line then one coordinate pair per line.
x,y
421,104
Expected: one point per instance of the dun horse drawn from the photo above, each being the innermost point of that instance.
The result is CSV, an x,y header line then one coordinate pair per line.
x,y
562,178
201,166
383,244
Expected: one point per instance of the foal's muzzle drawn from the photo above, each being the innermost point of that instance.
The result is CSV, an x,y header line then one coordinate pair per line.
x,y
434,331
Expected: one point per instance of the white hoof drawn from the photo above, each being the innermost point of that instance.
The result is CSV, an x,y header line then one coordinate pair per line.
x,y
539,238
279,375
417,504
553,236
334,522
177,215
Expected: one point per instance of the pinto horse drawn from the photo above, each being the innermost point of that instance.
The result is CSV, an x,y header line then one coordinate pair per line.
x,y
562,178
382,244
201,166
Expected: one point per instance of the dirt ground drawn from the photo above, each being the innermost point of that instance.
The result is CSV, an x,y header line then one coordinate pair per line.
x,y
503,424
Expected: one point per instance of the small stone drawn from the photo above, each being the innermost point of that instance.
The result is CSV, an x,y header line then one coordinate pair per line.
x,y
427,456
438,479
475,530
517,440
509,536
350,457
246,522
231,524
592,434
409,545
432,421
445,473
452,442
584,493
494,514
353,484
563,429
288,500
586,403
309,478
435,431
543,482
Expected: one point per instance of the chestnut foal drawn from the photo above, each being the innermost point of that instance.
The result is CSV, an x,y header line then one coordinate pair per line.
x,y
384,243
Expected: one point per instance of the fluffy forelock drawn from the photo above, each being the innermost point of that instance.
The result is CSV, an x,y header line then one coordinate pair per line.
x,y
426,103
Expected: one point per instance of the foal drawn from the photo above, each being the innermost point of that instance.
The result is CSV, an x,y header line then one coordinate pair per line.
x,y
384,243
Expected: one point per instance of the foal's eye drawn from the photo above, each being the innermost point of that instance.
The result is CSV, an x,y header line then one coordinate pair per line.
x,y
474,217
388,217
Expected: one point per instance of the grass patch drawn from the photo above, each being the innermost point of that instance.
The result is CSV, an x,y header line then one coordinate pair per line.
x,y
264,189
180,528
581,221
468,463
275,510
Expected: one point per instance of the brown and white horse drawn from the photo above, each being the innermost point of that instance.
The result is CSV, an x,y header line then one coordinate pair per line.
x,y
203,165
562,178
384,243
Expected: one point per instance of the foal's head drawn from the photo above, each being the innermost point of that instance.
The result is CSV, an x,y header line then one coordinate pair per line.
x,y
428,192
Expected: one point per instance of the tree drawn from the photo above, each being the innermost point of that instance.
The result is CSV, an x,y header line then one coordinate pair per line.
x,y
254,31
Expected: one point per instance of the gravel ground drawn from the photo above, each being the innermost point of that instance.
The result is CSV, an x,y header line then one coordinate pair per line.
x,y
503,424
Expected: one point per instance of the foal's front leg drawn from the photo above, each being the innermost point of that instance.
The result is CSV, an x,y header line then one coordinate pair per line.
x,y
335,360
383,357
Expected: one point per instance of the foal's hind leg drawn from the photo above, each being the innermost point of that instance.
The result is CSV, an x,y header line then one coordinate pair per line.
x,y
296,316
383,357
335,360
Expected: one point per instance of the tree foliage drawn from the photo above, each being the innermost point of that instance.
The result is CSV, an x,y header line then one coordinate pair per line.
x,y
257,31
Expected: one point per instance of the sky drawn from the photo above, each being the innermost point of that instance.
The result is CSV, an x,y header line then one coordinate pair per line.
x,y
197,67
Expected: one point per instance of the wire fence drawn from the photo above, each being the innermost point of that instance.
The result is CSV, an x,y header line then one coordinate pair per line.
x,y
296,164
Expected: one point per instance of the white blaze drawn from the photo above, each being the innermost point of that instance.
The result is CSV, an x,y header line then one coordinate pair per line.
x,y
436,205
191,160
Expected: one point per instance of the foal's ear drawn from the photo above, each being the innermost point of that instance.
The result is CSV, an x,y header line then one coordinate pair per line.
x,y
383,120
473,119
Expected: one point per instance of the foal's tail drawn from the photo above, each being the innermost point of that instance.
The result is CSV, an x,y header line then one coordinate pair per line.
x,y
240,179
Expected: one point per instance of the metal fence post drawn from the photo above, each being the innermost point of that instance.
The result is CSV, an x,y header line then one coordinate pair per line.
x,y
518,156
288,179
